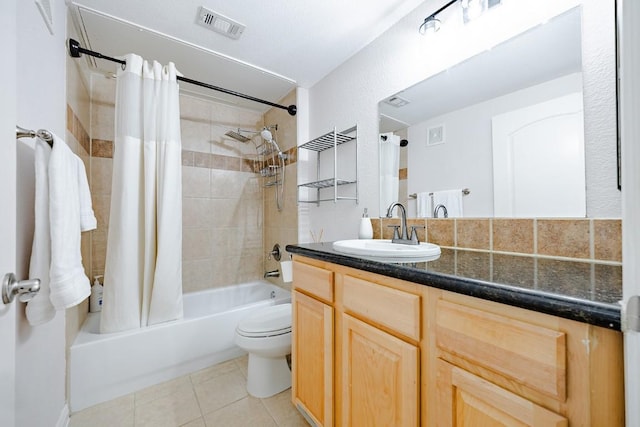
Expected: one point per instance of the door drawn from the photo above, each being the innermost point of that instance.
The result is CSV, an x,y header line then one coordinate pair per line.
x,y
538,160
629,36
7,214
380,377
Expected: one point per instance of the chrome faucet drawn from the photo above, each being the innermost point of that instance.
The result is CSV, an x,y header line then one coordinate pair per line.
x,y
444,211
403,237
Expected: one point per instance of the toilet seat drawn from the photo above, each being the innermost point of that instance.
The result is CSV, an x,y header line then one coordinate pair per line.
x,y
267,322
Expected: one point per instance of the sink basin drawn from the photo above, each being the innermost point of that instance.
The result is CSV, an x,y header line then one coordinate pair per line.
x,y
384,250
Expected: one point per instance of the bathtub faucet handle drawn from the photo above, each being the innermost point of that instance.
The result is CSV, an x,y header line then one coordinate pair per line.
x,y
275,252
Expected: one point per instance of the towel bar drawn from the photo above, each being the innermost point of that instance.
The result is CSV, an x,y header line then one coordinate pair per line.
x,y
43,134
465,191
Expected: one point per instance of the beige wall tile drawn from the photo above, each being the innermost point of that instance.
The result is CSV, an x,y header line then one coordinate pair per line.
x,y
196,182
196,275
513,235
421,228
196,243
102,121
441,231
101,173
472,233
376,223
197,213
607,239
564,237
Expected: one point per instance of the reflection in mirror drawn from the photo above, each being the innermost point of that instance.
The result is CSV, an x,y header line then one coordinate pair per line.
x,y
506,124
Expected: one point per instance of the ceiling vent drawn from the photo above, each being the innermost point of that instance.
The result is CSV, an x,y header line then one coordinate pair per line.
x,y
219,23
396,101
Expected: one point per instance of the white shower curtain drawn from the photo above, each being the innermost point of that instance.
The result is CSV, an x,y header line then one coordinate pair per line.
x,y
389,170
143,270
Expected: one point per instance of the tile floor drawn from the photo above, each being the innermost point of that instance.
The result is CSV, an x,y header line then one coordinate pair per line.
x,y
212,397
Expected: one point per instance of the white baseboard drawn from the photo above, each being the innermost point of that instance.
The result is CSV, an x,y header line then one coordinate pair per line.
x,y
63,419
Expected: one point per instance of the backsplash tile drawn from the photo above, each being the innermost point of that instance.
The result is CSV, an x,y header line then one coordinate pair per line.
x,y
607,235
513,235
441,232
564,237
473,233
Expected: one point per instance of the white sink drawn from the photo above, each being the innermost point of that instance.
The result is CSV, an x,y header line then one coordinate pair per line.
x,y
384,250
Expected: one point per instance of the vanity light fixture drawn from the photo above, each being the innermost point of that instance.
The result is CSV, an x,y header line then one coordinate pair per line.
x,y
471,9
431,24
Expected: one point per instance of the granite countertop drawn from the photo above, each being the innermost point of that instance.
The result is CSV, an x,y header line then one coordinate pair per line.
x,y
584,291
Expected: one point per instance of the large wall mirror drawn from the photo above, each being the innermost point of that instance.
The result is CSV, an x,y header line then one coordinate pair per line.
x,y
507,125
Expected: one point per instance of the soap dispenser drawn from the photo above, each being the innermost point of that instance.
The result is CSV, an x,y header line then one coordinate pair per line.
x,y
95,299
366,229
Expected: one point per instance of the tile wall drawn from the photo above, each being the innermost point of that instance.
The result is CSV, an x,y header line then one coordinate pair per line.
x,y
575,238
281,226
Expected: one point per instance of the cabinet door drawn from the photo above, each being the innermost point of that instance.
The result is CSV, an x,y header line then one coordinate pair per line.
x,y
465,399
380,377
312,358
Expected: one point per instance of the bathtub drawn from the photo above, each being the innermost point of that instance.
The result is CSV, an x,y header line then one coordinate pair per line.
x,y
106,366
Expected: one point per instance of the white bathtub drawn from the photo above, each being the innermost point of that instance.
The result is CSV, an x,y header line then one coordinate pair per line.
x,y
106,366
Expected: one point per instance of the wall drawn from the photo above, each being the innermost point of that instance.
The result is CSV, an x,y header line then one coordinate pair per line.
x,y
401,58
40,350
222,195
281,226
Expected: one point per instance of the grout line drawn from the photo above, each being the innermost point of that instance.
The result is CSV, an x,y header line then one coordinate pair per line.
x,y
592,249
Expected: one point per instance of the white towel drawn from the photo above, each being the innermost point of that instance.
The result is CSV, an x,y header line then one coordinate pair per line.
x,y
423,205
39,309
451,199
63,211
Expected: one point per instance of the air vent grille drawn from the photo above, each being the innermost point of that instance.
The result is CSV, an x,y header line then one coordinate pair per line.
x,y
396,101
219,23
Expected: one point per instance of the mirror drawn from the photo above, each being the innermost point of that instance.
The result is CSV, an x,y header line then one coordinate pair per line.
x,y
455,124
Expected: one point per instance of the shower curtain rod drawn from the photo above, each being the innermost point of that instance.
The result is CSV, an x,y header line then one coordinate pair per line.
x,y
75,50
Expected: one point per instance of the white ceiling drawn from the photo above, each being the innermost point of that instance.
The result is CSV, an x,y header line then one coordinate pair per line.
x,y
286,43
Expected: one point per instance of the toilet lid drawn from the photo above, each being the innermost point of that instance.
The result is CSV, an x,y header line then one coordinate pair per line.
x,y
268,321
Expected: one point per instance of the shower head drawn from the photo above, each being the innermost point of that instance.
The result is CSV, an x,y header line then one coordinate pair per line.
x,y
237,136
266,135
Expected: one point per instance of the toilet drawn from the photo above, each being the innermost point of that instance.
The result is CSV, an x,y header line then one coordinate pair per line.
x,y
266,336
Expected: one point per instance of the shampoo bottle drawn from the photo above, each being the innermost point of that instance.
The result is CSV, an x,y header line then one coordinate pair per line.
x,y
95,299
366,230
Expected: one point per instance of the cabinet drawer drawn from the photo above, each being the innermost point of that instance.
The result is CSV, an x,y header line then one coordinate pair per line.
x,y
397,310
313,280
528,354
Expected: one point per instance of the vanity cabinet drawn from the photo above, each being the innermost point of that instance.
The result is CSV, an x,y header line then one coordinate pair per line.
x,y
406,354
379,355
312,343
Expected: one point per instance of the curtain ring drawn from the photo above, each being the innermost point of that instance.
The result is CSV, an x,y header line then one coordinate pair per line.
x,y
123,66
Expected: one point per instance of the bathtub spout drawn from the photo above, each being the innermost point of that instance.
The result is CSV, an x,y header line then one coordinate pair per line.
x,y
273,273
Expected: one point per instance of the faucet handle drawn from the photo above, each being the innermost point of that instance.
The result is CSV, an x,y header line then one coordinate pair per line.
x,y
396,232
414,233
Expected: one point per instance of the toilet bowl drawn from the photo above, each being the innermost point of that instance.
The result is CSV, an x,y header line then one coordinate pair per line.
x,y
266,336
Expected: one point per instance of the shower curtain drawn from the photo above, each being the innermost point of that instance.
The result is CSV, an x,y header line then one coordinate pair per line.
x,y
143,270
389,170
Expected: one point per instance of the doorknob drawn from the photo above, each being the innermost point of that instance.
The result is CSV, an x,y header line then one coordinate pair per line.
x,y
24,289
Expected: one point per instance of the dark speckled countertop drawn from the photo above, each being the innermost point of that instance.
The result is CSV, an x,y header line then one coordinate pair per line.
x,y
584,291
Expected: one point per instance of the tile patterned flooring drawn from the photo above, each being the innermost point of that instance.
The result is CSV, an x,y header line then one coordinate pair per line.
x,y
212,397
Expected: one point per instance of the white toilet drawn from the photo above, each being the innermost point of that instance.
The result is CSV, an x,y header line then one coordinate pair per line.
x,y
266,336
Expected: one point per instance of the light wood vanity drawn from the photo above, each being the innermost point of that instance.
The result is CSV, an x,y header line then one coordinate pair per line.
x,y
373,350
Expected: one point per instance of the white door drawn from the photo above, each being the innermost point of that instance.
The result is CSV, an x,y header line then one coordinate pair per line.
x,y
629,32
8,211
538,160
